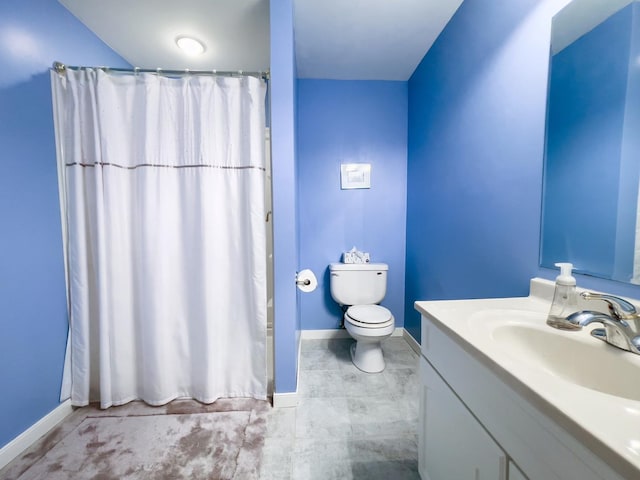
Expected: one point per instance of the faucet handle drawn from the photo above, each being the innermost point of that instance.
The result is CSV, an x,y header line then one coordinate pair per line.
x,y
619,308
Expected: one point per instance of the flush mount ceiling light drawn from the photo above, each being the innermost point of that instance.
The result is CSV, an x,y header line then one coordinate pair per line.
x,y
190,45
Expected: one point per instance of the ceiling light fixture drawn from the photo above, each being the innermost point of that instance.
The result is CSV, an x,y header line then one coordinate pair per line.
x,y
190,45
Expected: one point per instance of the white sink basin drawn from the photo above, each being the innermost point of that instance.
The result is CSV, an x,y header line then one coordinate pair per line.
x,y
575,357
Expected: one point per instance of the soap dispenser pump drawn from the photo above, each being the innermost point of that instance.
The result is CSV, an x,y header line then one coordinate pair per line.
x,y
565,299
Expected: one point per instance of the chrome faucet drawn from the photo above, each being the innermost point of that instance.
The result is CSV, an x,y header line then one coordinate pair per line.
x,y
621,325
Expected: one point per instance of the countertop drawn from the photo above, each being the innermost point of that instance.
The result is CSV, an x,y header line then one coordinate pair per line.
x,y
608,425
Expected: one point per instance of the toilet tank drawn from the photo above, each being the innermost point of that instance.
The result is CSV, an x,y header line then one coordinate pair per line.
x,y
358,283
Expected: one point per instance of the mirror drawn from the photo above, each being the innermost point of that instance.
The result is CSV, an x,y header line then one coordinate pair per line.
x,y
592,153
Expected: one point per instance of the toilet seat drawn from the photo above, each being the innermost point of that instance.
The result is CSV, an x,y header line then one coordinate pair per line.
x,y
369,316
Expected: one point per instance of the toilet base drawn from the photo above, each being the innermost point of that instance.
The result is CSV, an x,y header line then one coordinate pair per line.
x,y
367,356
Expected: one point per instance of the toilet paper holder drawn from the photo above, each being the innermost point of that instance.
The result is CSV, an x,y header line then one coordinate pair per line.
x,y
306,281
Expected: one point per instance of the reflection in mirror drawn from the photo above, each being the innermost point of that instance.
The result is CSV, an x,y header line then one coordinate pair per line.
x,y
592,158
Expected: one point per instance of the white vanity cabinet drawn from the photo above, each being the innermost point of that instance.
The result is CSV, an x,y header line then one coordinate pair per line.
x,y
475,425
453,445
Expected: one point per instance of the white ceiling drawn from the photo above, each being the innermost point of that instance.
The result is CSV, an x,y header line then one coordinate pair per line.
x,y
580,17
334,39
143,32
366,39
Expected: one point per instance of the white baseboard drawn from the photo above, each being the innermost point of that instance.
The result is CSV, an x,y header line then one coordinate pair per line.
x,y
285,400
337,333
27,438
324,334
415,346
398,332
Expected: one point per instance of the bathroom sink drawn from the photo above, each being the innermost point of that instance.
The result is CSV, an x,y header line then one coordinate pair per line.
x,y
575,356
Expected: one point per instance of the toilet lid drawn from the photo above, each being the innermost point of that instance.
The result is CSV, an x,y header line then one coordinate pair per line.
x,y
372,314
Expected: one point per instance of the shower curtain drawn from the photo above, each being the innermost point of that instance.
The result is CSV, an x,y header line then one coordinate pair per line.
x,y
162,195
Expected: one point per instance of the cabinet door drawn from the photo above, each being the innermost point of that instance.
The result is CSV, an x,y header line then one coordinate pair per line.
x,y
452,444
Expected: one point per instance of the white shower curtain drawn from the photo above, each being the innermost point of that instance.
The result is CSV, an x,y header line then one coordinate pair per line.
x,y
162,190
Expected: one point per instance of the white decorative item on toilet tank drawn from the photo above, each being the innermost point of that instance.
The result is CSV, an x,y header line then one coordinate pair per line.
x,y
361,287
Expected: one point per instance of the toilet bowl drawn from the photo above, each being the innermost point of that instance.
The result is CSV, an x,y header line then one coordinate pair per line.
x,y
361,287
368,325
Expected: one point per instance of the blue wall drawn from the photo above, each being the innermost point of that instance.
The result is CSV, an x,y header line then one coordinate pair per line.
x,y
476,133
477,108
286,324
351,122
587,93
33,326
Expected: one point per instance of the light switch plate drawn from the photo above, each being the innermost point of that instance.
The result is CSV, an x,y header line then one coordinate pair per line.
x,y
355,175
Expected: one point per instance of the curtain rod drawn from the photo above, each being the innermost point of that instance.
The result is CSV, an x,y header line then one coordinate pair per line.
x,y
61,68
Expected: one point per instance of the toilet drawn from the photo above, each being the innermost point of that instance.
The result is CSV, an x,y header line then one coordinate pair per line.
x,y
360,287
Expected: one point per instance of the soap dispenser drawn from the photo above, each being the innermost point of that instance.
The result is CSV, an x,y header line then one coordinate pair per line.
x,y
565,299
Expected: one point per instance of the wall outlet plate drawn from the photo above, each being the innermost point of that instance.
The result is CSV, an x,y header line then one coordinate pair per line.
x,y
355,175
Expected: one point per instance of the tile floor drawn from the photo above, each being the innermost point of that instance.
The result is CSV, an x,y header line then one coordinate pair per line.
x,y
348,424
